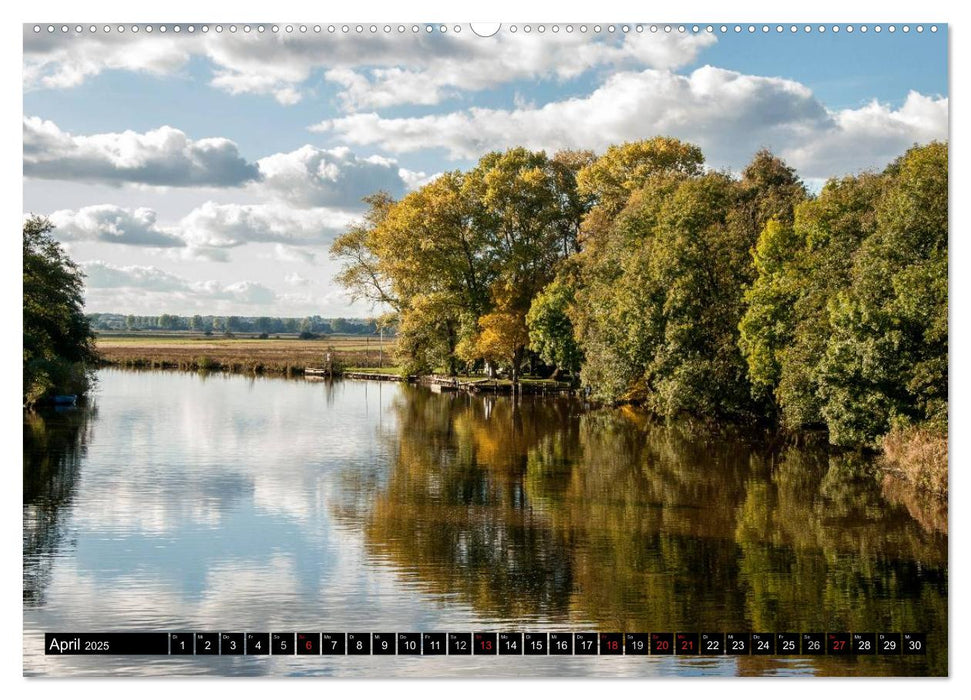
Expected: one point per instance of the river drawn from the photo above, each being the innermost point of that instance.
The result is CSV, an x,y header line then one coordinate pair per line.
x,y
191,502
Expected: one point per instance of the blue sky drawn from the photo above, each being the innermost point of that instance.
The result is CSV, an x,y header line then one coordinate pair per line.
x,y
208,173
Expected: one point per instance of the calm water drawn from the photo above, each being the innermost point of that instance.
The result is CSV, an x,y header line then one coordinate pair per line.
x,y
226,503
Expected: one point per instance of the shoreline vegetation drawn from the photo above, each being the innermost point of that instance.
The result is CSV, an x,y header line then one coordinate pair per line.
x,y
59,349
913,460
351,357
681,289
642,277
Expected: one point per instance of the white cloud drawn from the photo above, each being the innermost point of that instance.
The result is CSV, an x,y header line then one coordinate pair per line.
x,y
148,289
66,60
103,275
253,83
295,280
708,103
150,282
871,136
208,231
387,87
306,177
414,179
315,177
286,253
371,69
111,224
246,292
368,68
729,114
198,254
162,157
230,225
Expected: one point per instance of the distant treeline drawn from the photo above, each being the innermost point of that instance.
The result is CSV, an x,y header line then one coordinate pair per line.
x,y
655,280
233,324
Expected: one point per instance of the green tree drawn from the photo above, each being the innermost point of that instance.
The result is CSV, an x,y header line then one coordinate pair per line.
x,y
551,333
528,212
697,266
340,325
58,343
886,358
800,267
659,295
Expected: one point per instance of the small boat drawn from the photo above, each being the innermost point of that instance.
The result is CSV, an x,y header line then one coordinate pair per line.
x,y
65,400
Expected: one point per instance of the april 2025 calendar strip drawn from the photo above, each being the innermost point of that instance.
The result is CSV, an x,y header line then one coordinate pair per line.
x,y
486,643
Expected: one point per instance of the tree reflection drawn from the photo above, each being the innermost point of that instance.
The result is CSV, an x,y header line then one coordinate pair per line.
x,y
54,444
533,510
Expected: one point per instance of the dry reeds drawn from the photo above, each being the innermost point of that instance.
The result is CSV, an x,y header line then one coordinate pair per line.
x,y
919,455
286,357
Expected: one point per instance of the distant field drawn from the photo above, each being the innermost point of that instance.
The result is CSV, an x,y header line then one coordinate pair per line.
x,y
285,354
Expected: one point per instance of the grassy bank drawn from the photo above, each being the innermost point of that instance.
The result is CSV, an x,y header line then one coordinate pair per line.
x,y
275,355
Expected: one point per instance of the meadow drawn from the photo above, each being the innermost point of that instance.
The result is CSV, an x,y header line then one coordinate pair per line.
x,y
277,354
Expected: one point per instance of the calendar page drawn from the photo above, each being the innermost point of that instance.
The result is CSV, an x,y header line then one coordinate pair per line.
x,y
415,349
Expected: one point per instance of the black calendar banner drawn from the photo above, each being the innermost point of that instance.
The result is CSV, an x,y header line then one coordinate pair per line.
x,y
483,643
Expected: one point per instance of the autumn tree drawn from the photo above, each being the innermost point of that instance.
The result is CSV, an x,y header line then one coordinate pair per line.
x,y
439,255
501,338
361,271
684,290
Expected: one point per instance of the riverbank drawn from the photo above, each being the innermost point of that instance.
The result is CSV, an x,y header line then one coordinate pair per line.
x,y
915,457
274,355
351,357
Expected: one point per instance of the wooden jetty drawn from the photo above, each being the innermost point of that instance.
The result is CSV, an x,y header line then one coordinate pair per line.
x,y
321,372
486,385
443,384
376,376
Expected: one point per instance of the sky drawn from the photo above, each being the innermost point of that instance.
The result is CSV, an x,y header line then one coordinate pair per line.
x,y
208,172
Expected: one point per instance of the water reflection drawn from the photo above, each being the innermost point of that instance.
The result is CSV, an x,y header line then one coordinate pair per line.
x,y
539,511
224,502
54,443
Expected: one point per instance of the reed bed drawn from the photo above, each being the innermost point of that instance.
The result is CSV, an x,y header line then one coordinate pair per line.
x,y
918,455
256,356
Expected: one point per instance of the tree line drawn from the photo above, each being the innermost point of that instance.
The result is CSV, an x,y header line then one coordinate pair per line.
x,y
232,324
652,279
